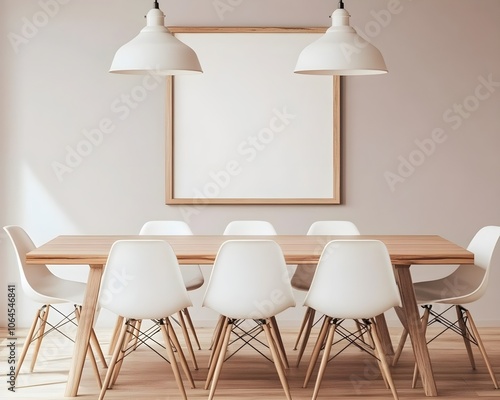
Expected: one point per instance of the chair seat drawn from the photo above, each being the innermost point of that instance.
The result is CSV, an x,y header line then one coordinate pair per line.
x,y
455,288
56,290
192,277
303,276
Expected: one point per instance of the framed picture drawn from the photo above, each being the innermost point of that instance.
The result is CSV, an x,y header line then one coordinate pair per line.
x,y
248,130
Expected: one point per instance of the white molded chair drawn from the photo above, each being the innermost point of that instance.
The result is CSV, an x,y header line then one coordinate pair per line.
x,y
250,228
248,281
153,289
191,274
464,285
365,286
40,285
303,275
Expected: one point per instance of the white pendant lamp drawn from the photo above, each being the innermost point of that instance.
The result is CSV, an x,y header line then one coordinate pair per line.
x,y
340,51
156,51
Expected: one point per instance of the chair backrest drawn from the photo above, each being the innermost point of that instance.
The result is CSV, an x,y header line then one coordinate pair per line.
x,y
303,274
483,245
468,283
249,227
354,279
191,274
249,280
31,275
333,228
167,227
142,280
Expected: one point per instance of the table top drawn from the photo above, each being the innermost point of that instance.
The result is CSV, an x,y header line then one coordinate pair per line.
x,y
202,249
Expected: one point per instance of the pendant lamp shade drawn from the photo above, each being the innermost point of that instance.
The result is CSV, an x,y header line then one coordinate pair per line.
x,y
340,51
155,50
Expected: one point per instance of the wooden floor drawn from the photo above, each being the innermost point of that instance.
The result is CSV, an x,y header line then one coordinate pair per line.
x,y
248,375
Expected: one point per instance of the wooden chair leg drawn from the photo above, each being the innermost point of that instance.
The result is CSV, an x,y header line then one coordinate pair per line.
x,y
90,353
401,345
44,314
424,322
220,360
115,335
360,330
97,347
465,336
324,360
91,356
214,356
180,353
93,339
275,331
130,328
380,352
120,341
482,349
167,330
136,331
307,333
273,346
219,328
28,340
191,326
317,349
185,333
302,326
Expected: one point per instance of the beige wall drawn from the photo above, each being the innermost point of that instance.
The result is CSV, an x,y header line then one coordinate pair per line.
x,y
442,94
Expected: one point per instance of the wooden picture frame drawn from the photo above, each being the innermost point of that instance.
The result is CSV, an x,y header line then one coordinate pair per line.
x,y
248,130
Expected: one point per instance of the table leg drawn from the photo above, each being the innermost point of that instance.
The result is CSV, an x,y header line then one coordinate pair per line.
x,y
84,330
415,331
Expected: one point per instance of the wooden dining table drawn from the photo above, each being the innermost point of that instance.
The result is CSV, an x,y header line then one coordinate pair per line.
x,y
404,250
